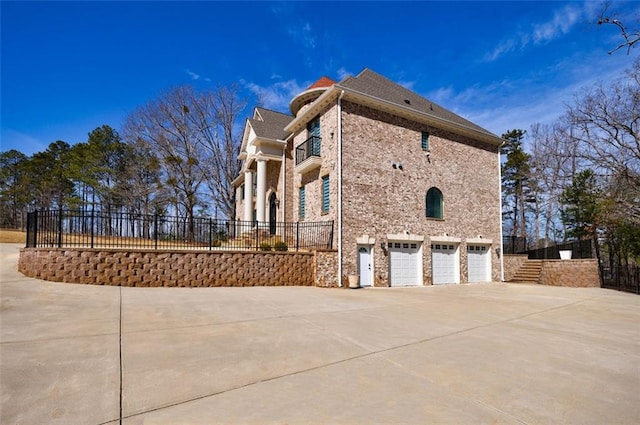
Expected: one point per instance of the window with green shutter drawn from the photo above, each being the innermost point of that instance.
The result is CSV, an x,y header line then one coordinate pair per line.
x,y
425,141
302,203
314,137
325,194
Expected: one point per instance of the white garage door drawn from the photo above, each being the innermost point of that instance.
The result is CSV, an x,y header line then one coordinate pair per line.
x,y
404,264
444,260
478,263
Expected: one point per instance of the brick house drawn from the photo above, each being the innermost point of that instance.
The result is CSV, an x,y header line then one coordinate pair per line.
x,y
413,188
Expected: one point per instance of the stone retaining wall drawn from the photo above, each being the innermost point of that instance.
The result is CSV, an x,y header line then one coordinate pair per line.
x,y
147,268
573,273
512,263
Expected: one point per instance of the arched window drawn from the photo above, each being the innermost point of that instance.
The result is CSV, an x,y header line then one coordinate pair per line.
x,y
434,203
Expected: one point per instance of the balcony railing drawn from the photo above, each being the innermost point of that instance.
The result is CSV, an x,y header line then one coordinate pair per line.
x,y
308,155
308,149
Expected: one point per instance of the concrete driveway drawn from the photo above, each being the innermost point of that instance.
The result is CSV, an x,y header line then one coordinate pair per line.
x,y
466,354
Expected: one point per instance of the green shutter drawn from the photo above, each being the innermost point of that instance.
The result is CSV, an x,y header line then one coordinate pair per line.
x,y
302,203
425,141
325,194
314,135
314,128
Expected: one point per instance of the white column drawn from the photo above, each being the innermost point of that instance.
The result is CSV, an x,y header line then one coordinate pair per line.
x,y
248,196
261,190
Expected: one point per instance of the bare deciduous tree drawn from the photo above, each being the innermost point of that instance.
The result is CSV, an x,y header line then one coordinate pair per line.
x,y
604,121
195,134
631,37
163,125
216,114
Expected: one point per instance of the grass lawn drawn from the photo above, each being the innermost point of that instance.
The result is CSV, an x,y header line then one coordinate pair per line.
x,y
12,236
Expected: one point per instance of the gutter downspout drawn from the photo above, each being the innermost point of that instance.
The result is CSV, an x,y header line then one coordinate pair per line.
x,y
340,189
283,197
500,214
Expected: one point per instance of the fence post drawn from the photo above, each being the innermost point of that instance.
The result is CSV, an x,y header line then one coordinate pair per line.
x,y
92,231
331,236
257,236
35,229
211,233
60,228
155,230
297,235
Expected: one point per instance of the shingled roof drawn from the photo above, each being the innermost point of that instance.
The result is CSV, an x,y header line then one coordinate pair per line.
x,y
269,124
375,85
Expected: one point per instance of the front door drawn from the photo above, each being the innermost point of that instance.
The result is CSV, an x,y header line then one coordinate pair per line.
x,y
273,210
364,265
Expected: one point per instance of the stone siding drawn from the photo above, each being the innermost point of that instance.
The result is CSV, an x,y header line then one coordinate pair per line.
x,y
326,265
379,199
571,273
184,268
312,180
512,263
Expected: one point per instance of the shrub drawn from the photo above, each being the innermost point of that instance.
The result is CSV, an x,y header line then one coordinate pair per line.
x,y
265,246
216,243
280,246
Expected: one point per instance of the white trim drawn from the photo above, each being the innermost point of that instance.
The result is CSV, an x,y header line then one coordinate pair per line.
x,y
479,241
445,239
339,129
405,237
283,174
365,240
500,218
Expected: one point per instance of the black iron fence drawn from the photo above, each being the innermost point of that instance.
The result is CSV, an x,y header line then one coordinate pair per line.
x,y
514,244
621,278
99,229
579,249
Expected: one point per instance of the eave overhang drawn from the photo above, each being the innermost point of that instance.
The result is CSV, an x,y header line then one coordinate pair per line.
x,y
380,104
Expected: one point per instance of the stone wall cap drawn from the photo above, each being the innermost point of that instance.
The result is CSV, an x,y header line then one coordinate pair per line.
x,y
365,240
479,241
405,237
445,239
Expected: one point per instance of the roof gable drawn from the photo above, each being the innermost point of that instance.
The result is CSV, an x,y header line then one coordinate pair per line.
x,y
269,124
375,85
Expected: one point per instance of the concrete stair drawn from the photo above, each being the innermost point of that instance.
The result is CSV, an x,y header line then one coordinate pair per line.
x,y
529,272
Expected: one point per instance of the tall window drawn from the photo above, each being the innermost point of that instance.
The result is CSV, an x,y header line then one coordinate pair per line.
x,y
325,194
434,203
314,135
314,127
425,141
301,207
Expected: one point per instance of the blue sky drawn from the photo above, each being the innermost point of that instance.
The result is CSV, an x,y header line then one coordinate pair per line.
x,y
70,67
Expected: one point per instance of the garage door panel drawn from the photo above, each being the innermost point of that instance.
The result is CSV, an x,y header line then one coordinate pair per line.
x,y
478,263
444,261
404,264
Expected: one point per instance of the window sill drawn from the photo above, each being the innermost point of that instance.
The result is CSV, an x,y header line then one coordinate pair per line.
x,y
435,218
